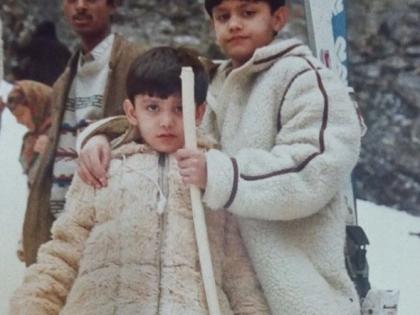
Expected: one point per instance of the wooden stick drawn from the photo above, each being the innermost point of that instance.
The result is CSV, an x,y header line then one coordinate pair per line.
x,y
188,112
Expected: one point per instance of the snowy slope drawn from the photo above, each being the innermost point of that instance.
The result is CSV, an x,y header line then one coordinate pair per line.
x,y
394,256
12,203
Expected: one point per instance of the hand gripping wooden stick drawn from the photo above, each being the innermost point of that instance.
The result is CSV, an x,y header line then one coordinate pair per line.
x,y
188,112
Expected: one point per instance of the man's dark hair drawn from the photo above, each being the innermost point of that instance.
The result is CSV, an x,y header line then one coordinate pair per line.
x,y
157,73
274,4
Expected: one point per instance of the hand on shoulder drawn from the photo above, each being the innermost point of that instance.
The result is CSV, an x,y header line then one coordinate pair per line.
x,y
94,161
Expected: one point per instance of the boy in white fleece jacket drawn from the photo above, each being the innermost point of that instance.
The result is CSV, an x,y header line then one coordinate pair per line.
x,y
290,137
130,248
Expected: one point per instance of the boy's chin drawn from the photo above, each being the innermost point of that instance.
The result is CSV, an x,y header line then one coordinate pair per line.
x,y
167,145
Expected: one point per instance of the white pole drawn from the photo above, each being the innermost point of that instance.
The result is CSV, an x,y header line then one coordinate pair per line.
x,y
188,112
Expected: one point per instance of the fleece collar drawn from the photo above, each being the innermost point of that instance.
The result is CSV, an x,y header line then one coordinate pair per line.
x,y
265,56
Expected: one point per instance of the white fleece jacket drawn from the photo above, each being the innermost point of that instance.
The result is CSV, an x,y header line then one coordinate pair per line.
x,y
130,249
289,137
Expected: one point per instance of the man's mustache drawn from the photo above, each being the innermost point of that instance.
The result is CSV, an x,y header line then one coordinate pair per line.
x,y
82,16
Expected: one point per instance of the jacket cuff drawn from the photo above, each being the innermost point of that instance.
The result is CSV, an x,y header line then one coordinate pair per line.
x,y
222,180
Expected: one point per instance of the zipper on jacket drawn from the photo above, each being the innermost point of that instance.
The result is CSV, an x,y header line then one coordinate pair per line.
x,y
163,163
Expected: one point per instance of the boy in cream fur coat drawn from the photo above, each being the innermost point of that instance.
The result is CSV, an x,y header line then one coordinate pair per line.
x,y
289,138
130,248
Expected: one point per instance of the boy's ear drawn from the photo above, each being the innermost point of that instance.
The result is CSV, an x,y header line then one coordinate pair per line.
x,y
279,18
199,113
130,112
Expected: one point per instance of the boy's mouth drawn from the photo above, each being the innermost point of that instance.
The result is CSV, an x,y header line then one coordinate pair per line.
x,y
236,39
166,135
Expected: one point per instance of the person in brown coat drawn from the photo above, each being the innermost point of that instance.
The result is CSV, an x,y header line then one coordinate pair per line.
x,y
90,88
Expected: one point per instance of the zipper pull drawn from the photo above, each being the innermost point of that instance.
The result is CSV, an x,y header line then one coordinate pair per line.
x,y
162,182
161,203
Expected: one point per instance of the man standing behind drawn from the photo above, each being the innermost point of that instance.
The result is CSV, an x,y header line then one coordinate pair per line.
x,y
90,88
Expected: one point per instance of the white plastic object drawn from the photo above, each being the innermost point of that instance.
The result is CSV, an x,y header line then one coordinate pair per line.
x,y
381,302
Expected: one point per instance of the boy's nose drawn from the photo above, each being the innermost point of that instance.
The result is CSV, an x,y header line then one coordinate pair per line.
x,y
166,120
235,23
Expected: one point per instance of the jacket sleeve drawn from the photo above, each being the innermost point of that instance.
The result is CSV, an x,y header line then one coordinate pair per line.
x,y
47,283
315,150
239,279
115,127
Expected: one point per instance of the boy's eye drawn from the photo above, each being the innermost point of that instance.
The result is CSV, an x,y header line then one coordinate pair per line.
x,y
222,17
178,109
152,108
248,13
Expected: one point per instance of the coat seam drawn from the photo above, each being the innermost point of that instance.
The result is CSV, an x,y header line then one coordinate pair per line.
x,y
285,93
305,162
278,55
234,185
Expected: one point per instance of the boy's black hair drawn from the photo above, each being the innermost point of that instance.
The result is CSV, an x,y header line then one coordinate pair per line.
x,y
274,4
157,73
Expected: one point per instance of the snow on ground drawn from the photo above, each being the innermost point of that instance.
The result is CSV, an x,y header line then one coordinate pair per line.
x,y
394,255
12,203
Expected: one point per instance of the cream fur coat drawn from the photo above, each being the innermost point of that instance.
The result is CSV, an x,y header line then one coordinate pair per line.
x,y
130,249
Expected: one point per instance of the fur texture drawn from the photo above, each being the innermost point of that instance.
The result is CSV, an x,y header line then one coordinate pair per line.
x,y
126,249
289,137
